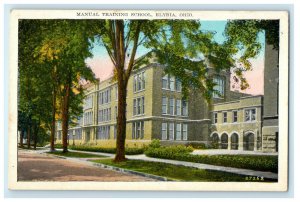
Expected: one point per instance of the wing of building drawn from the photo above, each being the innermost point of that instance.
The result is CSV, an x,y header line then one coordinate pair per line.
x,y
156,110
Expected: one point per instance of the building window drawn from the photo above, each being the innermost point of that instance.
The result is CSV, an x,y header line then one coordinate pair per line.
x,y
164,131
178,131
78,134
134,107
178,85
171,131
104,115
143,105
88,102
138,106
172,83
224,117
219,87
171,106
115,132
88,118
165,82
184,108
138,130
234,116
135,83
104,96
250,115
164,105
178,107
103,132
215,117
184,131
139,82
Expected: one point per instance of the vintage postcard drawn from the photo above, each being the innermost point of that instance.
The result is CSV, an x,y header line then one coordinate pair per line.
x,y
148,100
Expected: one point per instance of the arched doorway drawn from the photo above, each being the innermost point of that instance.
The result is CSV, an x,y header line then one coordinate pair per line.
x,y
234,141
214,138
249,142
224,141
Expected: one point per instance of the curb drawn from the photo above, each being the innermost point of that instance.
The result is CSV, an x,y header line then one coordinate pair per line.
x,y
156,177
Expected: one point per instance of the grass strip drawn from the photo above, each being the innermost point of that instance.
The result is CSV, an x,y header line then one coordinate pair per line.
x,y
76,155
179,173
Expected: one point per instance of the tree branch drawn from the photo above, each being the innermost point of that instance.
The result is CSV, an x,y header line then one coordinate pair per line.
x,y
133,52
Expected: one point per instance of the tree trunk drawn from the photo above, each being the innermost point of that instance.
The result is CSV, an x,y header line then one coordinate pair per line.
x,y
53,121
36,131
121,120
123,77
28,136
65,117
21,138
35,139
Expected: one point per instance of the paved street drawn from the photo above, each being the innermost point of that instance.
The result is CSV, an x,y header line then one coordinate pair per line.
x,y
34,166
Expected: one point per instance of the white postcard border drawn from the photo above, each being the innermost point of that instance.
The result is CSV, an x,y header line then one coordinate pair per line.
x,y
281,185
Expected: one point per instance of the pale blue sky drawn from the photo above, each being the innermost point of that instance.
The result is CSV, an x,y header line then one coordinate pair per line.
x,y
217,27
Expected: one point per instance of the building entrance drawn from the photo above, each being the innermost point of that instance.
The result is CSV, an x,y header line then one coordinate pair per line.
x,y
249,142
224,141
234,141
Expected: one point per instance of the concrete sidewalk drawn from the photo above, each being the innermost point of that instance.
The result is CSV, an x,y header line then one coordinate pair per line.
x,y
240,171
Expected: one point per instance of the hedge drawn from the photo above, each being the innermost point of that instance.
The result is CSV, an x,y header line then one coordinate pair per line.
x,y
128,151
252,162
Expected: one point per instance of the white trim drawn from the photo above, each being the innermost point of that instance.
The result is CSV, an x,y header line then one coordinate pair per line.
x,y
234,132
215,132
248,132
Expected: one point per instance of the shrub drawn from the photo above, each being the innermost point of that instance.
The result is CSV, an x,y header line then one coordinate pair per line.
x,y
155,143
128,151
58,146
197,145
168,152
261,163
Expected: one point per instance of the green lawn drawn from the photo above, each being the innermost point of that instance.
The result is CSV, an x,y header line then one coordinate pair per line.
x,y
178,173
76,155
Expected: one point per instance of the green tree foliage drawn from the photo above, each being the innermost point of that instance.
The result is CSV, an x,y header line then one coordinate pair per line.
x,y
243,41
67,46
33,93
52,67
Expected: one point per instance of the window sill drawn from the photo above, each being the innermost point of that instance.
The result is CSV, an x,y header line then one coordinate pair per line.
x,y
179,116
138,91
104,122
171,90
138,115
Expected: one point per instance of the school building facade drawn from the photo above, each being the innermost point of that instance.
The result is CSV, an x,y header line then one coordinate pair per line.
x,y
156,109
